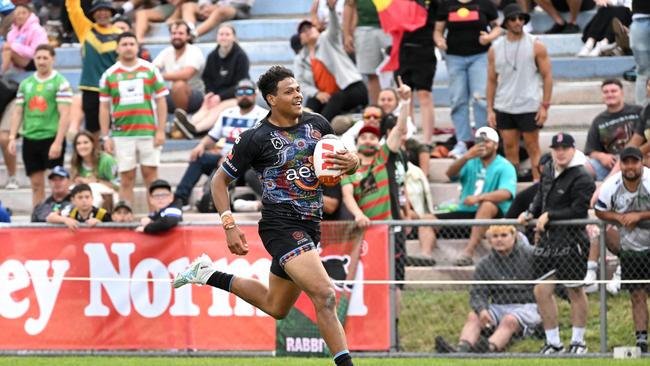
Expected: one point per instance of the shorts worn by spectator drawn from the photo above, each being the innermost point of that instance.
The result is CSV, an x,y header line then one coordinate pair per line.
x,y
215,12
166,215
59,180
81,210
574,7
169,11
599,36
640,44
506,310
24,36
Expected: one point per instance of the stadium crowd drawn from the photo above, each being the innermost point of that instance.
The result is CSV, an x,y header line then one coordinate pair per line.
x,y
500,90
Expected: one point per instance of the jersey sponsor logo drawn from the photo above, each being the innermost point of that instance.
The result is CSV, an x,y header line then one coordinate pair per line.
x,y
298,235
131,91
300,173
277,143
38,103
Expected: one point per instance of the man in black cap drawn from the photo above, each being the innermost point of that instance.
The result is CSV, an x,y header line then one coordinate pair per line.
x,y
59,180
517,64
564,193
624,199
166,216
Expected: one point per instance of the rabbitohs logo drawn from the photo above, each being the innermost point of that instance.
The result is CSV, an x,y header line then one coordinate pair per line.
x,y
337,267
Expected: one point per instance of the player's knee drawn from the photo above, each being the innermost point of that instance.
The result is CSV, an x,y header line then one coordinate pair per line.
x,y
510,322
279,314
325,298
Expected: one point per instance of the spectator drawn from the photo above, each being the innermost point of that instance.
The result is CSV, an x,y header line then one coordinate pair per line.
x,y
6,114
225,67
612,130
624,199
166,216
574,7
388,101
128,90
330,81
232,122
124,24
467,43
80,211
42,106
504,310
644,128
25,35
216,12
181,66
417,67
98,53
372,116
598,36
561,254
122,212
95,168
640,44
7,8
488,184
59,180
319,13
516,63
169,10
5,214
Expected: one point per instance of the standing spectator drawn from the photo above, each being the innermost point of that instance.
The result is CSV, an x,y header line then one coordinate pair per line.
x,y
225,67
364,37
7,106
417,67
94,167
319,13
467,43
516,63
98,49
624,199
26,33
166,215
122,212
505,309
42,106
640,44
181,66
612,130
331,82
561,254
599,35
232,122
59,180
574,7
215,12
132,92
388,101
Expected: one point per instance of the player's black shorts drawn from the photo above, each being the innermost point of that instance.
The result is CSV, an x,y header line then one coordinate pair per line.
x,y
285,239
35,155
417,66
566,262
524,122
635,266
90,106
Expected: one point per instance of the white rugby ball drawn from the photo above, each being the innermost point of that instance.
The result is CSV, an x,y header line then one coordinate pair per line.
x,y
324,171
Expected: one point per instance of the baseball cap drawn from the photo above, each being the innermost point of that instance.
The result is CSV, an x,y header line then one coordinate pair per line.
x,y
562,139
246,84
59,171
159,183
631,152
372,129
487,133
122,204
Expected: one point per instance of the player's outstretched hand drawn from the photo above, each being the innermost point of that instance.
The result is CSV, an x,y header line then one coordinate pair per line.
x,y
236,241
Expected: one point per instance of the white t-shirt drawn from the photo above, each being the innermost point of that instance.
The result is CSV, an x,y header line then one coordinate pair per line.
x,y
232,123
193,56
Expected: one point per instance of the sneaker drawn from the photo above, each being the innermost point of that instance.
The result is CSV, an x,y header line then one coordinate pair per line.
x,y
549,349
615,284
459,150
591,277
182,122
578,348
598,48
12,183
443,347
182,203
643,346
198,272
585,50
630,74
556,28
571,28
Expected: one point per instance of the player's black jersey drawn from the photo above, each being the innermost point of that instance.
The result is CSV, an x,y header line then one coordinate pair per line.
x,y
283,160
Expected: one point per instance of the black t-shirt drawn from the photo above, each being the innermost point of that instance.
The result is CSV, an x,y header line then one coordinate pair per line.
x,y
423,36
282,157
641,6
397,165
610,132
341,212
643,128
465,23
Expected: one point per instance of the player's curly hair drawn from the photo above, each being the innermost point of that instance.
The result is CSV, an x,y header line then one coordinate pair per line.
x,y
268,82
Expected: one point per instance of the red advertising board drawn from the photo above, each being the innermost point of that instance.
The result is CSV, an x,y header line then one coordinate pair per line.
x,y
47,300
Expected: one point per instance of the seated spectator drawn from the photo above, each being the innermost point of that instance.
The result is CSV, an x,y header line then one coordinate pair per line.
x,y
224,68
232,122
503,310
612,130
319,13
81,210
25,35
122,212
5,214
167,216
598,36
169,10
488,185
388,101
329,79
181,66
7,8
372,116
215,12
95,168
574,7
59,180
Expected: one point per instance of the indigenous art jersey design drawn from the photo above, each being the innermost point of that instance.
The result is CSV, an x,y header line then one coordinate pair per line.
x,y
283,160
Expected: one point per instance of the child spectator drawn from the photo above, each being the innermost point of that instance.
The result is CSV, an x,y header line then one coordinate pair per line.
x,y
25,35
167,216
122,212
80,211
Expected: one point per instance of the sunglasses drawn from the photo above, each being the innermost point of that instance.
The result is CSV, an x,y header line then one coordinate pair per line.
x,y
517,17
242,92
371,116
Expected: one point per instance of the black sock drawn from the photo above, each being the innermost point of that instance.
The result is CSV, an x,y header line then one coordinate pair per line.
x,y
641,337
220,280
343,359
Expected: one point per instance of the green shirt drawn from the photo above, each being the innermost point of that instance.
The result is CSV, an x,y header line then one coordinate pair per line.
x,y
106,170
132,92
371,188
367,14
40,100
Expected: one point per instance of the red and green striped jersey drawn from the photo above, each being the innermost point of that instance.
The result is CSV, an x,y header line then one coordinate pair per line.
x,y
371,188
131,92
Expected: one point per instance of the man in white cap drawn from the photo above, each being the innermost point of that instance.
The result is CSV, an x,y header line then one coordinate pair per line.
x,y
488,183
